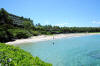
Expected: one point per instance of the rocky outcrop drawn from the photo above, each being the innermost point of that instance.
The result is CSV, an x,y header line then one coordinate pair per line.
x,y
7,18
16,20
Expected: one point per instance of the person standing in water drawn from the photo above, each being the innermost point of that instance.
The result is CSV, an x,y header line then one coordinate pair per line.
x,y
53,39
53,43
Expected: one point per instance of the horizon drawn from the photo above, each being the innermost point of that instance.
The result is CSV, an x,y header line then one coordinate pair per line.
x,y
57,12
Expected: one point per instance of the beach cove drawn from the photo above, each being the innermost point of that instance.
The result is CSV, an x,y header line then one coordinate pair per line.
x,y
48,37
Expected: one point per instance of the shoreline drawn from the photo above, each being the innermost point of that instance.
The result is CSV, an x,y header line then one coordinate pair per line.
x,y
48,37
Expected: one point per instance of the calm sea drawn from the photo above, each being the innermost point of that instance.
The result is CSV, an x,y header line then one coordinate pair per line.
x,y
76,51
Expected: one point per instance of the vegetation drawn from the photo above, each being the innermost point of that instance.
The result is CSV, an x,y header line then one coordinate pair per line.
x,y
57,30
14,56
14,27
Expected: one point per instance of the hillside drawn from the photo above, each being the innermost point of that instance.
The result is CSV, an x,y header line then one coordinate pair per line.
x,y
8,18
14,27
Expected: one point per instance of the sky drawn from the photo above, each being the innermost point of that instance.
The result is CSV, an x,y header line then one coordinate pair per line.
x,y
70,13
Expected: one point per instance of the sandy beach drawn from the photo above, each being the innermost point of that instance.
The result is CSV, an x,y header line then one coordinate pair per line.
x,y
48,37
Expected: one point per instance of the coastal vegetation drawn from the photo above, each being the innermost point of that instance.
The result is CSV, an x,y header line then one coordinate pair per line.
x,y
14,56
14,27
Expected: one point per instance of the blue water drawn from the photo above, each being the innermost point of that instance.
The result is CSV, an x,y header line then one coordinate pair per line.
x,y
76,51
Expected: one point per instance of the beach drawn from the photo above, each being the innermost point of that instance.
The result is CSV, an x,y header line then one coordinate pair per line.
x,y
48,37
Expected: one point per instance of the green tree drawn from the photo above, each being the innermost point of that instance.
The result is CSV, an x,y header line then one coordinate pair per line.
x,y
4,16
28,25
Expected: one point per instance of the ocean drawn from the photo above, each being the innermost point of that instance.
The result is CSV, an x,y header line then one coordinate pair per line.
x,y
74,51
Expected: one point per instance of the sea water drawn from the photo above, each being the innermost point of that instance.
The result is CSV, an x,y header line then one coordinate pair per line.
x,y
75,51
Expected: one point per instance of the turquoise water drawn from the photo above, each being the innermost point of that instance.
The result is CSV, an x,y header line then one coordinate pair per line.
x,y
76,51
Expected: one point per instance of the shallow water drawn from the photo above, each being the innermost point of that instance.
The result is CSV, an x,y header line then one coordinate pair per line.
x,y
76,51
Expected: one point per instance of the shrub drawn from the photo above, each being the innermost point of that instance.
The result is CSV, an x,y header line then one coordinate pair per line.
x,y
20,33
5,35
35,33
14,56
